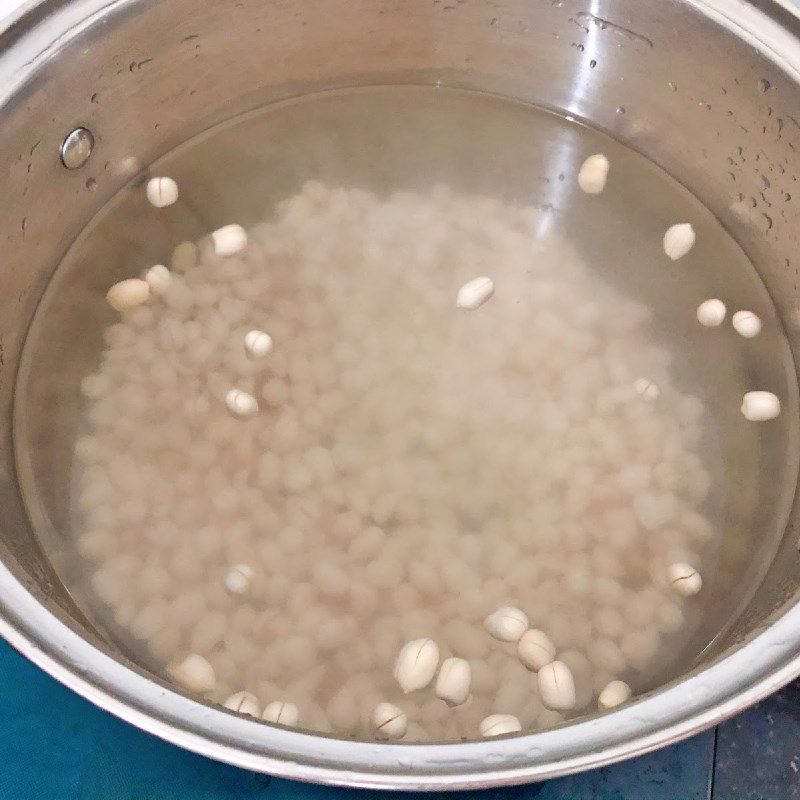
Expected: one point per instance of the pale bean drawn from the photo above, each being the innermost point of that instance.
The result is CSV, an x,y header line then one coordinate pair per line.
x,y
453,683
593,174
161,191
475,293
684,579
257,344
711,313
506,624
499,725
760,406
535,649
389,721
416,664
614,694
229,240
243,703
159,279
195,673
281,713
128,294
241,404
746,324
557,686
647,389
238,578
679,240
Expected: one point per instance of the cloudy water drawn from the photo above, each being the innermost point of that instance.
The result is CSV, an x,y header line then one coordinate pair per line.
x,y
436,379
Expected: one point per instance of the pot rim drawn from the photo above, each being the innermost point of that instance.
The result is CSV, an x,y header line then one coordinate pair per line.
x,y
706,697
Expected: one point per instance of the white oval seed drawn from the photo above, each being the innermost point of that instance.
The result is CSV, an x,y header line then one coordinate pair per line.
x,y
475,293
746,323
281,713
237,581
229,239
760,406
646,389
711,313
241,404
684,579
161,191
389,721
614,694
507,624
499,724
416,664
128,294
195,673
593,174
453,682
535,649
243,703
557,686
679,240
257,344
158,278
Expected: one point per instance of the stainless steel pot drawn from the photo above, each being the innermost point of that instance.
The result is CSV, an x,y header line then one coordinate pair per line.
x,y
708,89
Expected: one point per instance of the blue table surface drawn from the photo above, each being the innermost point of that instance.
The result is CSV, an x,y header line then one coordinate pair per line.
x,y
56,746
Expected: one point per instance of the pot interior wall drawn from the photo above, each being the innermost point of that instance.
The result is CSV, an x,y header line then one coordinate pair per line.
x,y
664,78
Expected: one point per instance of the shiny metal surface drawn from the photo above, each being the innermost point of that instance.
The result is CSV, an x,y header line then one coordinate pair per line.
x,y
708,89
76,148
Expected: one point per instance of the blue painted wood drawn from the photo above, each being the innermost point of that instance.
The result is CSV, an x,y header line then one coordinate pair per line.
x,y
681,772
758,752
56,746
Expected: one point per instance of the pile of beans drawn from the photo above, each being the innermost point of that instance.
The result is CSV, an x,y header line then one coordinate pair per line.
x,y
313,442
